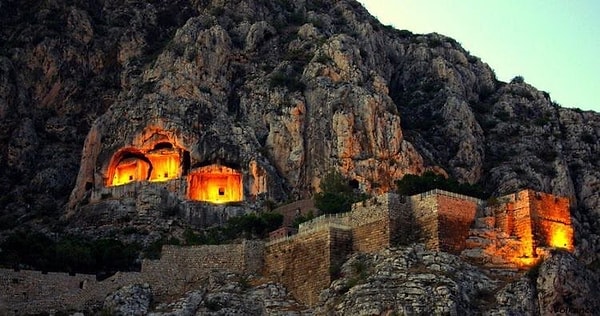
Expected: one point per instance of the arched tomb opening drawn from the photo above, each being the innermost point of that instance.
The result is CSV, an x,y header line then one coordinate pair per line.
x,y
165,162
161,163
126,166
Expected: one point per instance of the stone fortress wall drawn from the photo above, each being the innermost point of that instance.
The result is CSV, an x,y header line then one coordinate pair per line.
x,y
178,270
518,229
513,232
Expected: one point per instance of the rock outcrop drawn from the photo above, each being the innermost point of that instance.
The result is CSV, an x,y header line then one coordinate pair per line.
x,y
129,300
415,281
407,281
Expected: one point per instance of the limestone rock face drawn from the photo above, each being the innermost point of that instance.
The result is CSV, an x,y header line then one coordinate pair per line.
x,y
129,300
334,90
565,285
232,295
407,281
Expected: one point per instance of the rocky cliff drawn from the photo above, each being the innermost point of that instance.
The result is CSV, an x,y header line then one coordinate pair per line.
x,y
287,89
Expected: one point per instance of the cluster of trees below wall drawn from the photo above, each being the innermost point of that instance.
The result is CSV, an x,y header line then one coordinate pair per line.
x,y
248,226
77,254
337,195
36,251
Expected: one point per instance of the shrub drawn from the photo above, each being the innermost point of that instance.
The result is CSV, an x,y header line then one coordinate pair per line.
x,y
588,138
301,219
517,80
191,238
412,184
252,225
68,254
280,79
336,196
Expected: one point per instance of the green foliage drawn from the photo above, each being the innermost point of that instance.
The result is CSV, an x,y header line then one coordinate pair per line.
x,y
251,225
32,250
412,184
331,202
517,80
191,238
336,195
280,79
435,42
588,138
303,218
153,250
402,33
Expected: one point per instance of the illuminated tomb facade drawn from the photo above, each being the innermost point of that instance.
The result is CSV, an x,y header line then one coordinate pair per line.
x,y
214,183
162,170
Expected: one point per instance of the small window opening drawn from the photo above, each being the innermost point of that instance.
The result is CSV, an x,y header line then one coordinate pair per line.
x,y
221,191
130,177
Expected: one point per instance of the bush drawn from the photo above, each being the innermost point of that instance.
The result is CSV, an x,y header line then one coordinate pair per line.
x,y
74,254
301,219
280,79
336,196
412,184
517,80
252,225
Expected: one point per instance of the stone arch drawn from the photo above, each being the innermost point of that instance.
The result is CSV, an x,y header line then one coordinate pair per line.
x,y
128,165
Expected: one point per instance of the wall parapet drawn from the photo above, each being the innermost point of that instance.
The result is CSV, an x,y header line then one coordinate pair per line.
x,y
323,222
450,194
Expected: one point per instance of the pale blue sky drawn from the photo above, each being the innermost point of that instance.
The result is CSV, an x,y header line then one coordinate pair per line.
x,y
553,44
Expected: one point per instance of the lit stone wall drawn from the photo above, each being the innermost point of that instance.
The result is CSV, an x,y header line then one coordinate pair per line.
x,y
302,263
455,217
551,220
523,228
180,267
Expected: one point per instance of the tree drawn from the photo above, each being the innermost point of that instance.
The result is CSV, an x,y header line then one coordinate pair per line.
x,y
412,184
336,196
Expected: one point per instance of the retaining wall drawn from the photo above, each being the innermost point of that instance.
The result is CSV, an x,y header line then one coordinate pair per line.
x,y
178,270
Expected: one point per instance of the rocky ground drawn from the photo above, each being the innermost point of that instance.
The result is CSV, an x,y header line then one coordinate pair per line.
x,y
397,281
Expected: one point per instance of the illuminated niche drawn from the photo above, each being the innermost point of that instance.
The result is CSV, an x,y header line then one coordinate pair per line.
x,y
215,184
165,162
128,170
162,163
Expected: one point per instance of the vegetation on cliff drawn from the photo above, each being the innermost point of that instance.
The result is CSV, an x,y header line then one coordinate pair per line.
x,y
337,195
73,254
414,184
